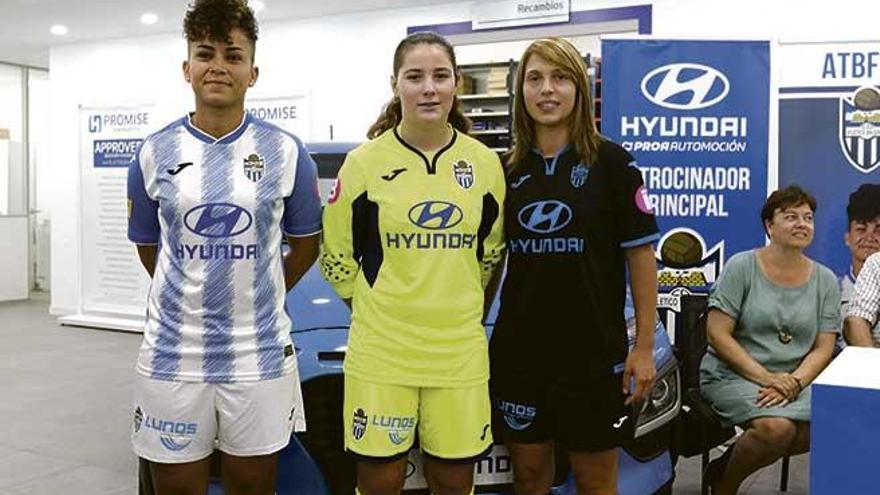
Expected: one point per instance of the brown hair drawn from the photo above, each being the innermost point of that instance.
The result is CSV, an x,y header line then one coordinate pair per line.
x,y
392,112
789,197
582,130
214,20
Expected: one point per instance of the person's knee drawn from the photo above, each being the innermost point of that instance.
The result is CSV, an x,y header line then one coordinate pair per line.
x,y
533,479
596,483
449,479
776,434
380,479
249,481
179,479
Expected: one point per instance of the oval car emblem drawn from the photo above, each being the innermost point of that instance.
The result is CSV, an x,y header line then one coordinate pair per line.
x,y
435,215
544,217
217,220
685,86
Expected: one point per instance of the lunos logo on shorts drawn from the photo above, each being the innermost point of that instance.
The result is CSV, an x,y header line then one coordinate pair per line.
x,y
217,222
399,428
435,217
175,436
685,86
517,416
359,424
542,218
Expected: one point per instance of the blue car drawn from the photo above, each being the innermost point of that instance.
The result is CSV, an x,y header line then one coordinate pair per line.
x,y
315,463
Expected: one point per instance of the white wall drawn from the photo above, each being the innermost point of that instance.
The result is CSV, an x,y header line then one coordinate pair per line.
x,y
14,264
343,63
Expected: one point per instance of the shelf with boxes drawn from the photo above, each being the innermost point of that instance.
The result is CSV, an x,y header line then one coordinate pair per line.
x,y
485,99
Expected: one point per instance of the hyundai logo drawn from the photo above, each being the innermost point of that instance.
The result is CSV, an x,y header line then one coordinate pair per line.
x,y
217,220
544,217
435,215
685,86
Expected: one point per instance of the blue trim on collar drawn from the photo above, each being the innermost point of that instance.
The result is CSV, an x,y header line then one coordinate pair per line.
x,y
209,139
550,168
851,275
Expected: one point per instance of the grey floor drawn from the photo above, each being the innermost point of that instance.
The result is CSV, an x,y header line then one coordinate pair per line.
x,y
65,412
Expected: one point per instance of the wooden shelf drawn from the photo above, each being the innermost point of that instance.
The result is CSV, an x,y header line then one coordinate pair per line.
x,y
489,131
487,114
485,96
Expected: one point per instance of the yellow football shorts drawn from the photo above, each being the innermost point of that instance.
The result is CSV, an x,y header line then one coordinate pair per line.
x,y
380,421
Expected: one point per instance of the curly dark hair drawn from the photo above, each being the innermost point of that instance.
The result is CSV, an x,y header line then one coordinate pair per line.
x,y
214,20
864,203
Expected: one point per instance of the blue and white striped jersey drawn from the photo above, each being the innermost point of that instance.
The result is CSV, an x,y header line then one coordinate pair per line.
x,y
217,208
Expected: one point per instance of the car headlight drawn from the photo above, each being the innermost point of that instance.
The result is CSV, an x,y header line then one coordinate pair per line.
x,y
663,403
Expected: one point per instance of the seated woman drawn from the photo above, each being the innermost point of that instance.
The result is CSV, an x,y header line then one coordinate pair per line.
x,y
773,318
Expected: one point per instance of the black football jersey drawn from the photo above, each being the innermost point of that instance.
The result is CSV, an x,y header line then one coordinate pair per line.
x,y
567,226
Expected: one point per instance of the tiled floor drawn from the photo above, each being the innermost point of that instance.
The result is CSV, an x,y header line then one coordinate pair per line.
x,y
65,412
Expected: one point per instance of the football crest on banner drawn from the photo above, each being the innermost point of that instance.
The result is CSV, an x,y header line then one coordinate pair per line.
x,y
359,424
254,165
684,266
579,175
859,132
464,174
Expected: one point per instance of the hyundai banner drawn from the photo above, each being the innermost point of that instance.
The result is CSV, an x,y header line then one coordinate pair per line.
x,y
694,114
113,284
829,132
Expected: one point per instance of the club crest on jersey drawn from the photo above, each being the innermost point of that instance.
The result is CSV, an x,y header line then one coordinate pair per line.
x,y
254,165
359,424
859,128
579,175
464,174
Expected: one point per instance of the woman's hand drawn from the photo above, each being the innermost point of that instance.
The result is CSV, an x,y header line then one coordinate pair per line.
x,y
639,368
770,397
785,383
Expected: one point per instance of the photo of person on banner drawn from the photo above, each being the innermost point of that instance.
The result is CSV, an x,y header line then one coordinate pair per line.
x,y
774,315
210,198
862,237
577,216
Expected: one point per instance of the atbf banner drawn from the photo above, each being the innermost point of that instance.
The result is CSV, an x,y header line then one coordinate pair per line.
x,y
829,132
114,284
694,114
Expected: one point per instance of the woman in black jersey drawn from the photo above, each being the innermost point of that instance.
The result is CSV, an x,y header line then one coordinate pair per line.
x,y
576,217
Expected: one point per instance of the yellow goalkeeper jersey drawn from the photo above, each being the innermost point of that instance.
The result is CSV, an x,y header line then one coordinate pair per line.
x,y
412,240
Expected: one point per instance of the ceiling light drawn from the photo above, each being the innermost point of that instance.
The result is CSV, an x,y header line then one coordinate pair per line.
x,y
58,30
149,18
256,5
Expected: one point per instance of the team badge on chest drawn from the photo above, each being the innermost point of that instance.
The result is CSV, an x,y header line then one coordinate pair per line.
x,y
254,165
464,174
579,175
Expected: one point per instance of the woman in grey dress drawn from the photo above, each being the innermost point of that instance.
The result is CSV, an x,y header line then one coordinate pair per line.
x,y
773,318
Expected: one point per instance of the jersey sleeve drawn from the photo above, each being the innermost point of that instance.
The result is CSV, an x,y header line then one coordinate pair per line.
x,y
143,211
302,209
492,225
338,263
638,225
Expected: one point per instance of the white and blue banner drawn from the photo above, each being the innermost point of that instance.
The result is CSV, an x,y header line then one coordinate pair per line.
x,y
694,114
829,132
114,285
289,112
